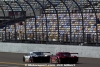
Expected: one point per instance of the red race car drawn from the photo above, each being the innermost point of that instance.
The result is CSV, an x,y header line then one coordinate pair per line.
x,y
64,57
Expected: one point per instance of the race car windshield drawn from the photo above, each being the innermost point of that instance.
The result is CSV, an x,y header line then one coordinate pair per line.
x,y
66,54
38,53
30,54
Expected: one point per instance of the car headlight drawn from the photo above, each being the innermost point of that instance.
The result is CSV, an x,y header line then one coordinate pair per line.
x,y
46,55
36,56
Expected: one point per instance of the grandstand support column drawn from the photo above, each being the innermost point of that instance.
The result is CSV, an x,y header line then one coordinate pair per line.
x,y
57,17
82,17
94,10
15,31
69,16
25,30
45,17
5,32
42,32
23,15
83,27
42,25
13,17
4,20
2,36
34,16
46,26
96,32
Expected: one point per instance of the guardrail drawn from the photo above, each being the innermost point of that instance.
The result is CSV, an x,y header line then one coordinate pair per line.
x,y
83,51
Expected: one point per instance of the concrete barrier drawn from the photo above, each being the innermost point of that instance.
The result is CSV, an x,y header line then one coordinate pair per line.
x,y
84,51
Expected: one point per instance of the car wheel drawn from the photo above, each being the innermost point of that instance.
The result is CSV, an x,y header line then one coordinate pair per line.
x,y
23,59
31,60
57,61
50,60
76,62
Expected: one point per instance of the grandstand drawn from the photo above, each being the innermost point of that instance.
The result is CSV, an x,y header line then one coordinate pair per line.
x,y
50,21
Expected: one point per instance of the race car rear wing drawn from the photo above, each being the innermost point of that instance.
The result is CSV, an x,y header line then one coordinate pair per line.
x,y
45,52
73,53
41,52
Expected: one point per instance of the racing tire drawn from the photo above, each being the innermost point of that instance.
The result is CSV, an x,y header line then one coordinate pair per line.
x,y
57,61
50,60
75,62
23,59
30,59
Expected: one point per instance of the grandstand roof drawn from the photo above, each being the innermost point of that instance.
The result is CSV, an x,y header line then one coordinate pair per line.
x,y
28,8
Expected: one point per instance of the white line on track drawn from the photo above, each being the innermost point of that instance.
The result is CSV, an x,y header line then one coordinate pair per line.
x,y
12,63
3,65
12,66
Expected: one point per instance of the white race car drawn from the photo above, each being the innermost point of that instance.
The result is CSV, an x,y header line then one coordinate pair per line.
x,y
36,57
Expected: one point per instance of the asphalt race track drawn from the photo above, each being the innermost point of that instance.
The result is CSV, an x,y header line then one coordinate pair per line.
x,y
15,60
